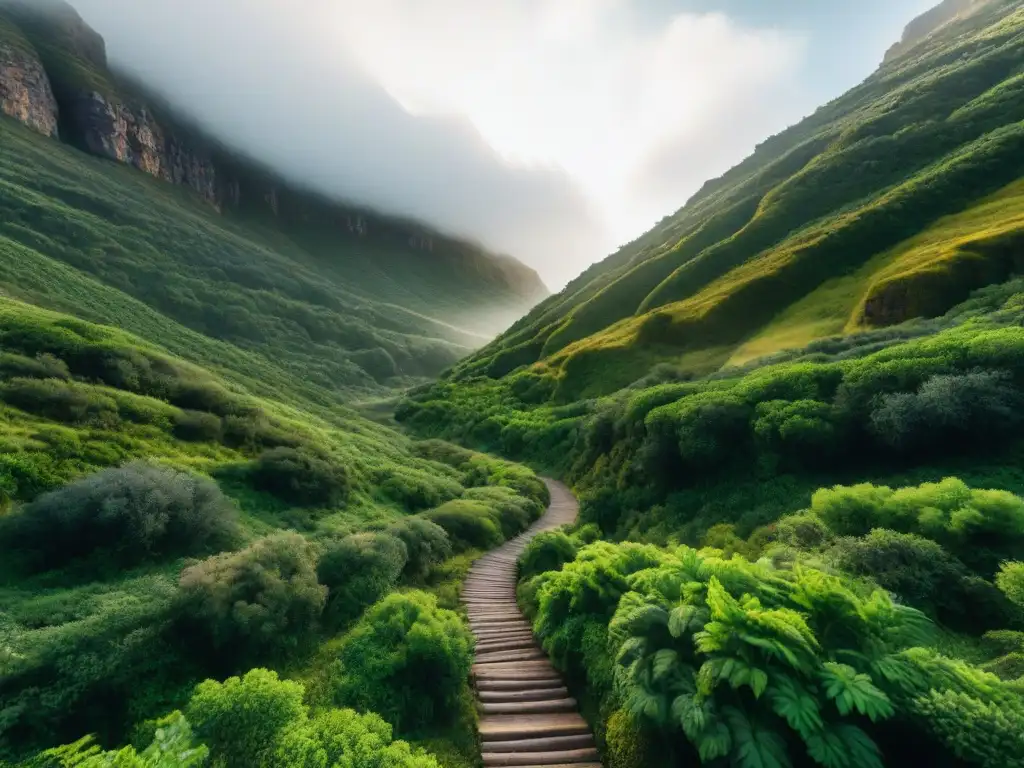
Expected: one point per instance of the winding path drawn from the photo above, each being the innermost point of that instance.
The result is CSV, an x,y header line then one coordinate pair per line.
x,y
526,715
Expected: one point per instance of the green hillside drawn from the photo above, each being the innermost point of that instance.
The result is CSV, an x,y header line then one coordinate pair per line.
x,y
933,133
187,491
793,412
350,302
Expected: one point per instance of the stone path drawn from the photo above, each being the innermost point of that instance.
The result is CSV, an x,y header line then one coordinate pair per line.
x,y
526,715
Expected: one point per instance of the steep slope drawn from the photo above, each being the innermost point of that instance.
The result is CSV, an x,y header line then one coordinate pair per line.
x,y
342,298
935,132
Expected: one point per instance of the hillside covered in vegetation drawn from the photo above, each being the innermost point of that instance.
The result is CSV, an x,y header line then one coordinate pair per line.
x,y
118,211
793,413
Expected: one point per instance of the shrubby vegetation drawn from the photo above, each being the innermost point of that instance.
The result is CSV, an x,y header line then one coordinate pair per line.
x,y
122,517
301,477
251,606
723,658
358,571
406,659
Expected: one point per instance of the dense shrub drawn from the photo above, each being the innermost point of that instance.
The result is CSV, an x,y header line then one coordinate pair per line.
x,y
342,737
416,490
979,527
242,719
922,574
547,551
979,405
512,512
1010,580
301,477
197,427
731,660
260,720
251,605
358,571
42,366
426,544
173,746
406,659
61,400
469,524
124,516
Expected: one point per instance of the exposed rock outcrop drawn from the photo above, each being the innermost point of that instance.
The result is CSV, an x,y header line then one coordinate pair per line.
x,y
25,92
930,21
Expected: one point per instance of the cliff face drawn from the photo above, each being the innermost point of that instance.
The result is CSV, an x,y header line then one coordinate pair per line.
x,y
929,21
59,69
25,92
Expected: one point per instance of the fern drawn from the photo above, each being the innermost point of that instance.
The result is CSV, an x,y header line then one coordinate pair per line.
x,y
854,692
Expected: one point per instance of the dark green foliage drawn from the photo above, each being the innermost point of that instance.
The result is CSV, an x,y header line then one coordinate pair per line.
x,y
980,527
242,719
122,517
726,659
469,524
173,746
407,659
922,574
61,400
968,407
358,571
547,551
197,426
301,477
426,545
243,607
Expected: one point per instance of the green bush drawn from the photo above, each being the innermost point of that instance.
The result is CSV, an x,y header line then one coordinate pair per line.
x,y
426,543
469,524
408,660
416,491
980,527
1010,580
252,605
512,512
61,400
342,737
126,516
979,405
358,571
173,746
42,366
301,477
922,574
730,660
242,719
198,427
547,551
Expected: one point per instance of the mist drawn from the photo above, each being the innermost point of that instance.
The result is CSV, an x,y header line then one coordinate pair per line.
x,y
550,130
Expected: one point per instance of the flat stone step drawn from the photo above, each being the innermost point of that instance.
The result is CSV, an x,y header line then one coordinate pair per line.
x,y
499,657
527,707
528,694
564,757
547,744
505,644
488,685
507,728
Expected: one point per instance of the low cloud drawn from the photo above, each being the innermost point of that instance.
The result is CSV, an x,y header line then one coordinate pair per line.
x,y
552,130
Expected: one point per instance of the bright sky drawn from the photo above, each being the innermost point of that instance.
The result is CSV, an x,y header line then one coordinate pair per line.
x,y
579,84
553,130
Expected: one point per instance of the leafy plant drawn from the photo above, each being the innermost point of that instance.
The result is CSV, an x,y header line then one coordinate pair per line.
x,y
358,571
406,659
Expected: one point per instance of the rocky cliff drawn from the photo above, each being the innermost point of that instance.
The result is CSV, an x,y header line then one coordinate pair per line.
x,y
929,21
53,65
25,92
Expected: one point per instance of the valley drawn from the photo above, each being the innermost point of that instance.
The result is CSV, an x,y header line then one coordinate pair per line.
x,y
281,476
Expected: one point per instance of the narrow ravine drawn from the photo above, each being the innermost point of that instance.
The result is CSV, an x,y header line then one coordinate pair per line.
x,y
526,715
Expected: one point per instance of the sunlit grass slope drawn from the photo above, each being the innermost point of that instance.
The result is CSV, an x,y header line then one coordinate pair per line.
x,y
113,245
813,231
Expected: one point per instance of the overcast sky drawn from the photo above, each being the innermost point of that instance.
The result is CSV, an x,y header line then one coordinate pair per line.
x,y
553,130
